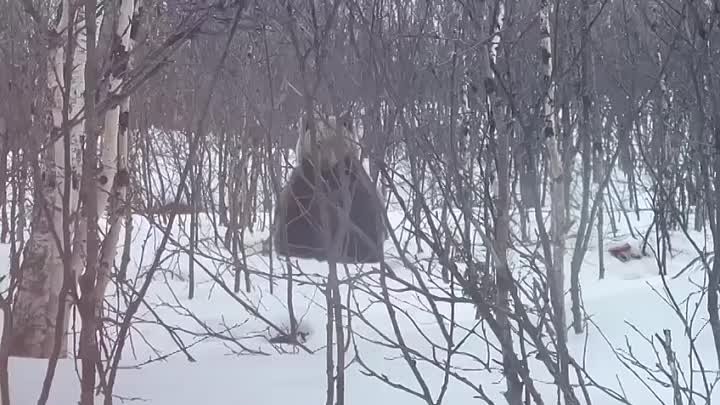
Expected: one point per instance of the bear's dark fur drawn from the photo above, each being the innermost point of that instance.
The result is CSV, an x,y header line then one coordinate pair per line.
x,y
300,232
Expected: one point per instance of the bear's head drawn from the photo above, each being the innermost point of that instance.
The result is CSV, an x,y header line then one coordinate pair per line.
x,y
334,140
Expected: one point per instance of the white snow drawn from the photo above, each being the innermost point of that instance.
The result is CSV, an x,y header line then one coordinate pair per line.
x,y
228,369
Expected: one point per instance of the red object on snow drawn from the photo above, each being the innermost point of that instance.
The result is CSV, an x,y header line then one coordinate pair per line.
x,y
624,252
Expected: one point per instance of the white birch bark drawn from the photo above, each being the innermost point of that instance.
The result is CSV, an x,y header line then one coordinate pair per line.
x,y
513,395
42,269
115,130
492,26
128,23
555,266
122,45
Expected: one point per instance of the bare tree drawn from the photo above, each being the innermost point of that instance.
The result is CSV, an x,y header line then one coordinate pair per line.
x,y
46,278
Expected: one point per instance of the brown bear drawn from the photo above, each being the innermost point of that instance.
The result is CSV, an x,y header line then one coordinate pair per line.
x,y
327,178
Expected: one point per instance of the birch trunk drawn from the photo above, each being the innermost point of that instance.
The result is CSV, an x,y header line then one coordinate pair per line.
x,y
598,168
115,145
586,130
555,168
95,278
126,35
42,270
4,152
88,349
492,25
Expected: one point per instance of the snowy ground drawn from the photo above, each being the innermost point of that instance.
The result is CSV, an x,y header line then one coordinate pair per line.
x,y
226,372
